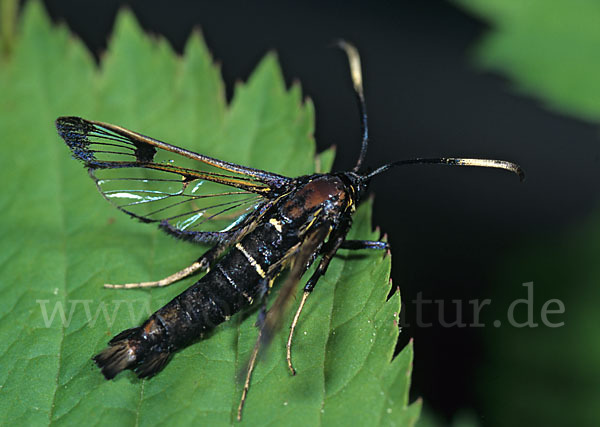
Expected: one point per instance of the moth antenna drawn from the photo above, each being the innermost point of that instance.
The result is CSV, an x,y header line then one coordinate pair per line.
x,y
356,74
455,161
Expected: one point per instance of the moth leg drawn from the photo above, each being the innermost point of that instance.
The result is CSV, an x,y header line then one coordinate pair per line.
x,y
269,321
265,286
188,271
201,264
331,249
364,244
346,244
288,346
251,364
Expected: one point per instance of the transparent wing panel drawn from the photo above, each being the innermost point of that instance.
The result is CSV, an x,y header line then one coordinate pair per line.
x,y
192,205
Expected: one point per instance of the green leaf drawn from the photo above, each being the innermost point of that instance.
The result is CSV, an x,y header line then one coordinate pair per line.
x,y
548,49
62,242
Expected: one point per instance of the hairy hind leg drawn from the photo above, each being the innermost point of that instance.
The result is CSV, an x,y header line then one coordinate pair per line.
x,y
201,264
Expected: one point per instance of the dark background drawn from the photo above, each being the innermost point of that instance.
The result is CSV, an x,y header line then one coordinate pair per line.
x,y
447,226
